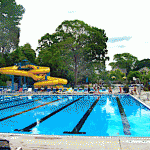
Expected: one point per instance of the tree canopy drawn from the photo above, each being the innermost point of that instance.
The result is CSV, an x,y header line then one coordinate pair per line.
x,y
23,52
132,74
28,52
79,46
116,75
124,61
10,15
3,79
142,63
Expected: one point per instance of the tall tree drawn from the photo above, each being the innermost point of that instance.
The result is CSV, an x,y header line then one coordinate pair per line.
x,y
3,79
142,63
50,55
117,74
78,45
8,59
98,47
21,53
10,15
132,74
2,61
124,61
17,55
88,43
28,52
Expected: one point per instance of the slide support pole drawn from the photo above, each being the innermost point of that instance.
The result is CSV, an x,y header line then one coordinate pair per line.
x,y
48,74
24,80
19,86
12,82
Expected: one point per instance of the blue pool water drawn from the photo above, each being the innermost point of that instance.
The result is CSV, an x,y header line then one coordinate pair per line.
x,y
104,90
74,115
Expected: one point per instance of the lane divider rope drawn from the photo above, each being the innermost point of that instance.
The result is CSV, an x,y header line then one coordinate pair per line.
x,y
27,110
28,128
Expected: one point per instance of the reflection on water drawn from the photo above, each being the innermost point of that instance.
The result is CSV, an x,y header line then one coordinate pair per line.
x,y
70,97
57,103
38,113
29,97
35,131
108,107
37,120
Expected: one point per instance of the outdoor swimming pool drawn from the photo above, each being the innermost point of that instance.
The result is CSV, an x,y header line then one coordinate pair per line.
x,y
76,115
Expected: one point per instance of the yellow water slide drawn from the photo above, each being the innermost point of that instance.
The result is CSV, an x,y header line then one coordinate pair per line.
x,y
37,73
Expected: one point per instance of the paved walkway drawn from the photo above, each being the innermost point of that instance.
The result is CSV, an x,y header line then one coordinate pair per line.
x,y
41,142
45,142
144,97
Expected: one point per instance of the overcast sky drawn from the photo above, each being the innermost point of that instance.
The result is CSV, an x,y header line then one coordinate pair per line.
x,y
126,22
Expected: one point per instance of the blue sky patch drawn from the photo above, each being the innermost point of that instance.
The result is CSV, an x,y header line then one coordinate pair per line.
x,y
121,46
118,39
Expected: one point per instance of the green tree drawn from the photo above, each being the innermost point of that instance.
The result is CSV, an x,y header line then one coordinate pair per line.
x,y
142,63
103,76
72,44
10,15
17,55
132,74
8,59
28,52
3,79
74,60
86,44
116,75
50,56
144,78
5,60
2,61
21,53
124,61
97,47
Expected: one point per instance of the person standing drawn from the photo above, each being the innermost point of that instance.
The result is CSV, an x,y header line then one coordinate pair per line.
x,y
88,89
98,90
135,90
120,89
110,90
132,92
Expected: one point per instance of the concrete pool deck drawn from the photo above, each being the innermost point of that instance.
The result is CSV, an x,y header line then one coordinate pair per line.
x,y
42,142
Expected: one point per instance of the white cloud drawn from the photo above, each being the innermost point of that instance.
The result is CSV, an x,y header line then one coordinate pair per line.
x,y
118,39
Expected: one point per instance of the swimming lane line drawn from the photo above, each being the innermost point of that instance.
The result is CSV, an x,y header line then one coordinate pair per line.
x,y
126,125
11,101
82,121
28,128
27,110
19,104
